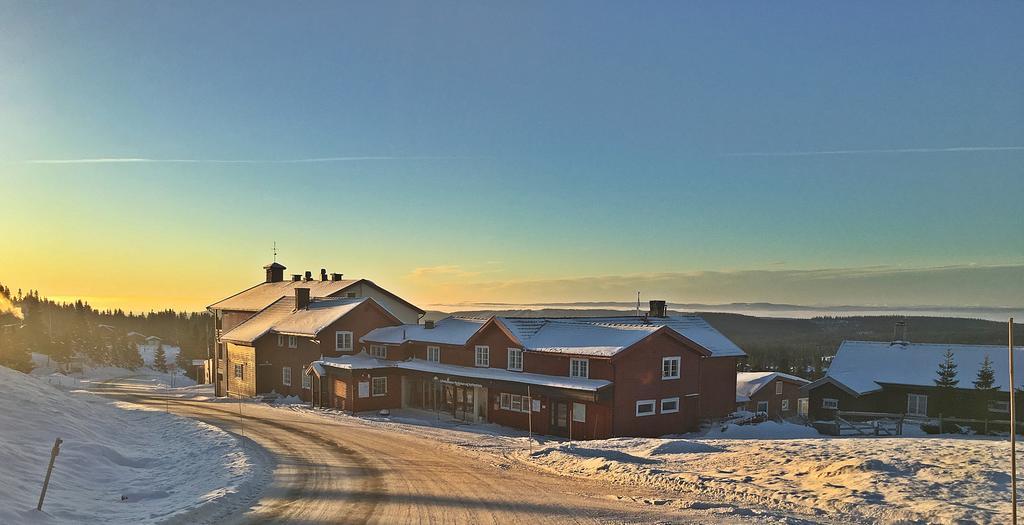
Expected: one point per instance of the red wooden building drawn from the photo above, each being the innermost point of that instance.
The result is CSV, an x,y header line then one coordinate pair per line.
x,y
583,378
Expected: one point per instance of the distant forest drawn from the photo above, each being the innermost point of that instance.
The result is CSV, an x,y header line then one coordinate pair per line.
x,y
803,346
63,330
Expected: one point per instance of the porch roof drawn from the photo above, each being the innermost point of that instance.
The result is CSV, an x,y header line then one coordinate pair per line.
x,y
500,374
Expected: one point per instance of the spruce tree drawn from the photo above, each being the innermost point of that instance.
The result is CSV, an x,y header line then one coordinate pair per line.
x,y
947,372
160,358
986,377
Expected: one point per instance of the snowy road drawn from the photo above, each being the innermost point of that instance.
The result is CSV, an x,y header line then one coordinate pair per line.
x,y
333,471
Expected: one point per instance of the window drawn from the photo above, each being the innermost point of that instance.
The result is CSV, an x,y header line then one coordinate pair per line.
x,y
762,407
286,375
293,342
239,371
670,405
483,356
785,405
579,368
670,367
517,403
434,354
379,386
379,351
1003,407
830,404
579,413
917,404
802,406
645,407
515,359
506,402
778,388
280,340
343,341
307,381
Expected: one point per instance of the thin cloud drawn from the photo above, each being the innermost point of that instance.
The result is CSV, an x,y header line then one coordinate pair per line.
x,y
310,160
957,149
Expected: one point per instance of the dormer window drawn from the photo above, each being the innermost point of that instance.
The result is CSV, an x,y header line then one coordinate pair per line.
x,y
343,341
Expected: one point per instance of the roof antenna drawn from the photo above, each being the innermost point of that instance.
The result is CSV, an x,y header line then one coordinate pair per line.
x,y
275,251
638,303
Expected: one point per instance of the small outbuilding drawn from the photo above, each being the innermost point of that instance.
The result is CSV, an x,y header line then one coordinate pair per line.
x,y
774,394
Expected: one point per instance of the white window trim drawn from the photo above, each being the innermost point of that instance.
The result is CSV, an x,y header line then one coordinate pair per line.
x,y
661,405
583,409
293,342
351,343
828,402
652,402
307,381
516,403
778,388
917,408
280,341
379,351
437,353
286,375
519,352
238,375
373,381
785,405
482,350
998,402
679,367
585,366
505,401
758,408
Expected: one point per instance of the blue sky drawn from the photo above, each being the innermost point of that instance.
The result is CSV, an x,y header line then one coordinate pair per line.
x,y
511,143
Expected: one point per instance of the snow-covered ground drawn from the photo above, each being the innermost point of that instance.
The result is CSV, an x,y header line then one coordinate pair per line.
x,y
148,353
781,466
119,463
46,370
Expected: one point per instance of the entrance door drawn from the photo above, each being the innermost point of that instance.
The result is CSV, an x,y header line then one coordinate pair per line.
x,y
560,417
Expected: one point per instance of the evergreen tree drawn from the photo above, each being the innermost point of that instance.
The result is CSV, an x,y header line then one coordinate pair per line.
x,y
135,357
160,358
947,372
986,377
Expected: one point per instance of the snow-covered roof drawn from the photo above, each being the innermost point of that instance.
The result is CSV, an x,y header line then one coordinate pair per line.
x,y
862,366
750,383
569,336
264,294
448,331
692,327
360,361
282,317
500,374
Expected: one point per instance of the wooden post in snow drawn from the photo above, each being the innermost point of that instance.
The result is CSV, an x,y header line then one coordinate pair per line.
x,y
1013,434
529,399
49,470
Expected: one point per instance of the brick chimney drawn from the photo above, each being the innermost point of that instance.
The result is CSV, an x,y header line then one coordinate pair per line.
x,y
323,274
429,325
301,298
275,272
658,309
335,276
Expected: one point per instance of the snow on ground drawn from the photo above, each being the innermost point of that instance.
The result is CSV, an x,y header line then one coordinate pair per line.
x,y
148,353
46,370
117,464
781,466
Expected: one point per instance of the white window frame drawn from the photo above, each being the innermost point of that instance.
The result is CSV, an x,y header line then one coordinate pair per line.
x,y
778,388
379,351
666,367
579,413
661,405
516,403
998,406
829,403
286,375
785,405
240,371
760,404
307,381
579,367
340,347
515,359
803,406
505,401
654,407
914,401
280,341
293,342
434,354
482,356
374,381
